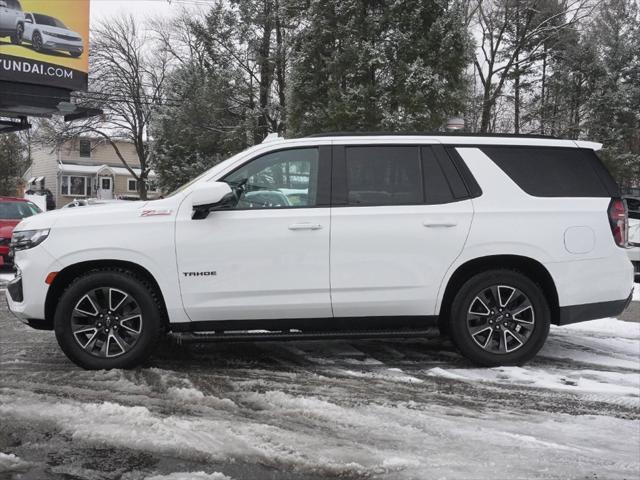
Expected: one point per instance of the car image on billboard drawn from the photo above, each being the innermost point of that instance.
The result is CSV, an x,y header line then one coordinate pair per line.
x,y
44,42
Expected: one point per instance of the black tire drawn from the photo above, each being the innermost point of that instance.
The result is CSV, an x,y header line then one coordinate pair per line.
x,y
16,38
151,323
462,317
36,42
75,54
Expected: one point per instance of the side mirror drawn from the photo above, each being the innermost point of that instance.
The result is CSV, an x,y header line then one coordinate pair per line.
x,y
211,196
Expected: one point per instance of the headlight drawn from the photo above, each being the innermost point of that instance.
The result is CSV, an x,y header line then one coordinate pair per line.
x,y
28,238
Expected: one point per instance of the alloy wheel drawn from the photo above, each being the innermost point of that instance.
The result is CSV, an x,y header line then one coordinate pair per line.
x,y
37,42
106,322
19,34
501,319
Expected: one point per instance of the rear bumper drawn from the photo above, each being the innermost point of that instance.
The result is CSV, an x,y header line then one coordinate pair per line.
x,y
593,311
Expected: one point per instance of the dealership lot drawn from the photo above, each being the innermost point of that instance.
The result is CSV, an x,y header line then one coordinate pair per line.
x,y
349,409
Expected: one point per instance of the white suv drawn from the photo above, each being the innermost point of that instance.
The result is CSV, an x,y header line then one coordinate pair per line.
x,y
494,238
11,20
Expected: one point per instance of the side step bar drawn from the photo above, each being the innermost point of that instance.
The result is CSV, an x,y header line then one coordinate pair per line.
x,y
262,336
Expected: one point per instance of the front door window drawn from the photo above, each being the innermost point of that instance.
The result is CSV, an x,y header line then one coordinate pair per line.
x,y
283,179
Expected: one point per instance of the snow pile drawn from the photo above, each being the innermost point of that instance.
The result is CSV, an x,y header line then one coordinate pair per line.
x,y
590,381
607,327
190,476
390,374
398,440
586,348
10,463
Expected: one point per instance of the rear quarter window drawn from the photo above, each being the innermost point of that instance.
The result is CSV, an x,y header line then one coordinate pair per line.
x,y
554,171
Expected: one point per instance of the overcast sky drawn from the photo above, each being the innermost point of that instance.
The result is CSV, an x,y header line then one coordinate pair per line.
x,y
139,8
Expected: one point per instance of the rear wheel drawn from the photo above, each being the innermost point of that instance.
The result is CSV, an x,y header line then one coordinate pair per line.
x,y
108,319
499,317
16,38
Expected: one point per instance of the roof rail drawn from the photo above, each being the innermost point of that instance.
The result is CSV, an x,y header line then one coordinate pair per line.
x,y
431,134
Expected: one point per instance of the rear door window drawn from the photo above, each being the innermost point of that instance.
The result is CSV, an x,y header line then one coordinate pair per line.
x,y
384,175
553,171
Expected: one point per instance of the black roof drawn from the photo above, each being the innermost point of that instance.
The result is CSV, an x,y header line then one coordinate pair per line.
x,y
430,134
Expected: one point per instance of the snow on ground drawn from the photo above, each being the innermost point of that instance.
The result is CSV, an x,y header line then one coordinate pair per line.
x,y
396,409
190,476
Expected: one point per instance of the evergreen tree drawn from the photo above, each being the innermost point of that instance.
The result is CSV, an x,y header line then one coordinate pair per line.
x,y
614,106
197,127
378,64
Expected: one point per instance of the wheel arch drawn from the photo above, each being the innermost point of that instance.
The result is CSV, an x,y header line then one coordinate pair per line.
x,y
64,278
529,267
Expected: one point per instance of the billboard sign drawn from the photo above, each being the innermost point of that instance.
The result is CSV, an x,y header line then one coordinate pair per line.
x,y
45,42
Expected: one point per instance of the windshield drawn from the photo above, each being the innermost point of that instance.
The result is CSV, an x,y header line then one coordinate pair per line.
x,y
17,210
47,20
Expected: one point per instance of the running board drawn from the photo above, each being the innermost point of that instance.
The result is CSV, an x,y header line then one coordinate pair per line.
x,y
182,338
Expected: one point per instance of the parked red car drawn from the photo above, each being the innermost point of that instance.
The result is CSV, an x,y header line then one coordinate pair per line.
x,y
12,210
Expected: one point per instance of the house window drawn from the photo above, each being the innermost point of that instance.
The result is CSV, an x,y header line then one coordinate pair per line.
x,y
75,186
85,148
132,185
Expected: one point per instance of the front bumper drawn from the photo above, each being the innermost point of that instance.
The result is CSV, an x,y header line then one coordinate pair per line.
x,y
593,311
51,43
14,289
27,293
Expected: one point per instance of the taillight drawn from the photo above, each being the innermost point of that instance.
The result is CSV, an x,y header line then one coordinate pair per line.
x,y
619,219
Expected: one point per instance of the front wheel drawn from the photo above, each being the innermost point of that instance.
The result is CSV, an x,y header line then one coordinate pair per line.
x,y
499,317
108,319
37,42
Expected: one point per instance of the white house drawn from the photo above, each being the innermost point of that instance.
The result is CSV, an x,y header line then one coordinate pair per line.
x,y
85,168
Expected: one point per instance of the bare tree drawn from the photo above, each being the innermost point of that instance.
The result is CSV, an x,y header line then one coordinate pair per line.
x,y
127,82
513,35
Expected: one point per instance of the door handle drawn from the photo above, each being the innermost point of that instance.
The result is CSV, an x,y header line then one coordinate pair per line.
x,y
440,224
305,226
